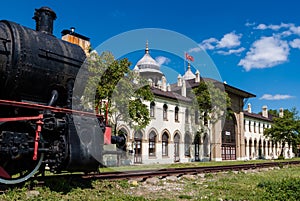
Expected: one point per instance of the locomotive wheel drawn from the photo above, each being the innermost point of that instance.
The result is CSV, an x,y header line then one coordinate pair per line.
x,y
16,152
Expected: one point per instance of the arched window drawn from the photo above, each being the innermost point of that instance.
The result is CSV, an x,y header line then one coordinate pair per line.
x,y
152,109
250,149
249,126
138,136
165,112
187,143
152,141
206,147
187,114
165,139
176,147
246,144
176,114
255,149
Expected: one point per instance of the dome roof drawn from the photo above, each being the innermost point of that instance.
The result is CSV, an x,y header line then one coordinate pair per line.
x,y
148,67
189,74
147,62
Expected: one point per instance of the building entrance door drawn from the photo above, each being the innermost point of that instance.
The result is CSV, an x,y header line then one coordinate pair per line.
x,y
138,136
137,151
176,147
229,138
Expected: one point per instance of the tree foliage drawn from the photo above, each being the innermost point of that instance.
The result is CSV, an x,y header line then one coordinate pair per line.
x,y
211,101
113,82
285,129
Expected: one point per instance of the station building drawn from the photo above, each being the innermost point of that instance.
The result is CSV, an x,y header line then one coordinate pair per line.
x,y
173,134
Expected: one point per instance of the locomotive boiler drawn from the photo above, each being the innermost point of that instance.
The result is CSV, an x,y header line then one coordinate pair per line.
x,y
38,126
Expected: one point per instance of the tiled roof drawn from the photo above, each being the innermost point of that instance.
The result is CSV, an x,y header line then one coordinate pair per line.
x,y
191,84
258,116
170,94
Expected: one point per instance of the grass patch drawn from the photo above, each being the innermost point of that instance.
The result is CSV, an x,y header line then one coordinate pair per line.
x,y
279,184
283,189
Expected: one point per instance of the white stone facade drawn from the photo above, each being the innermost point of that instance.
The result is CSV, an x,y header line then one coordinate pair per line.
x,y
162,124
257,146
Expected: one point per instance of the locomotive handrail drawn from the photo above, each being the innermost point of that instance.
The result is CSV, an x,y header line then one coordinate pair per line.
x,y
45,107
4,52
20,118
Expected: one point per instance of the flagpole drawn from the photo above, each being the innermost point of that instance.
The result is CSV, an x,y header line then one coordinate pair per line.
x,y
184,62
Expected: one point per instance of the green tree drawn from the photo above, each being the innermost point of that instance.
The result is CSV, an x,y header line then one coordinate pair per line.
x,y
211,101
113,82
285,129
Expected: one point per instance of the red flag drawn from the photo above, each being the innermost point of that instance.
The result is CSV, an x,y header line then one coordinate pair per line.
x,y
189,57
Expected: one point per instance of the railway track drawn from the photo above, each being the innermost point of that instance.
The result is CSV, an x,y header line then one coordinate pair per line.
x,y
145,174
184,171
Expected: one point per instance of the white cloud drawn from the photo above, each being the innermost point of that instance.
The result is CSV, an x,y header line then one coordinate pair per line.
x,y
224,46
232,51
162,60
295,43
284,29
274,27
209,44
265,53
261,27
196,49
295,30
275,97
230,40
249,24
286,33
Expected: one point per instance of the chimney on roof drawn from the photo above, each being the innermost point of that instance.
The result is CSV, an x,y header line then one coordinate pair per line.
x,y
179,81
168,87
163,83
249,108
197,79
281,112
265,111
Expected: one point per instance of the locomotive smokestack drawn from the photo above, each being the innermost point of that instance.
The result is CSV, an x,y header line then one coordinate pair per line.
x,y
44,18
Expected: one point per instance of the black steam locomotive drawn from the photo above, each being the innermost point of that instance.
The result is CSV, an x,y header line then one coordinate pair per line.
x,y
38,126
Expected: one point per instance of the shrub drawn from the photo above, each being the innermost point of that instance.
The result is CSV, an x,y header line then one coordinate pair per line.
x,y
280,157
285,189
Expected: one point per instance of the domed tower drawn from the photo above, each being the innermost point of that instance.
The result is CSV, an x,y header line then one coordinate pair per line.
x,y
148,68
189,74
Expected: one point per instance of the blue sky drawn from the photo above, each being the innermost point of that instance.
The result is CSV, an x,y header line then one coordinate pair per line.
x,y
255,45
